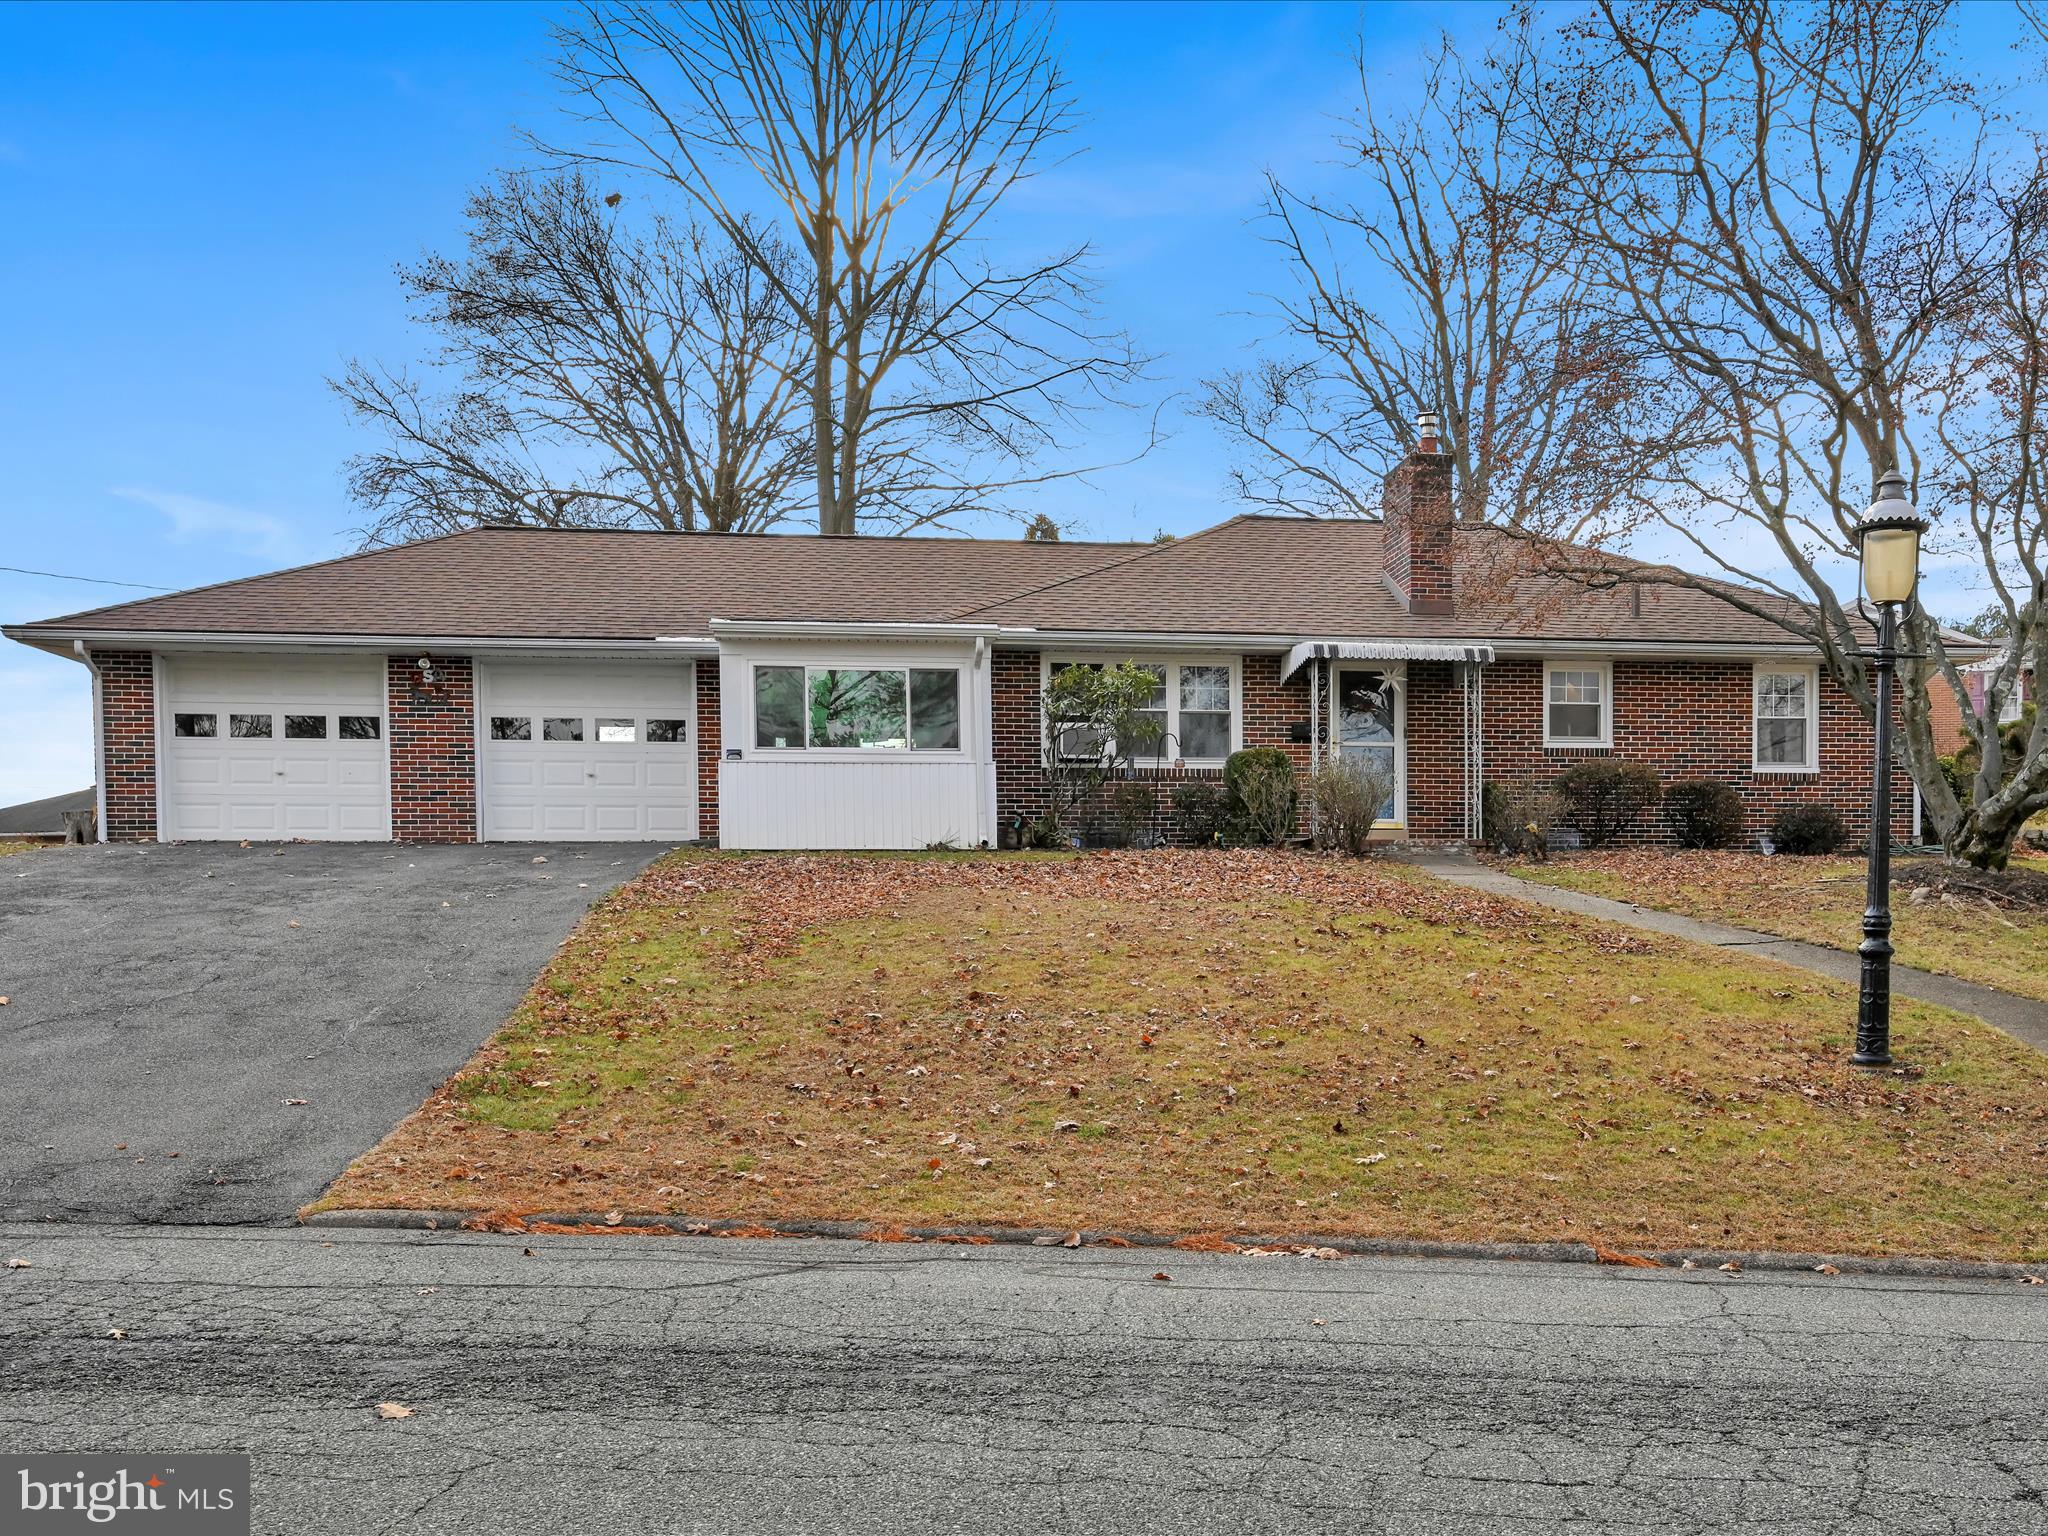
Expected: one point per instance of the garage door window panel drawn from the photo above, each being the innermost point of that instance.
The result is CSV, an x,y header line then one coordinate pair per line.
x,y
361,728
197,725
249,727
668,730
511,728
562,728
305,727
618,731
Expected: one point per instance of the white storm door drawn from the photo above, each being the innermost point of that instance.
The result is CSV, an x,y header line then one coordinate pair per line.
x,y
274,747
589,750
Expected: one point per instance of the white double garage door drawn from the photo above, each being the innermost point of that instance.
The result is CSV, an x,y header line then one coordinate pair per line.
x,y
273,747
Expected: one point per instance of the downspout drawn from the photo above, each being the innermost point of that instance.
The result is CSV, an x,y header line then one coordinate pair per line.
x,y
99,742
1315,742
985,730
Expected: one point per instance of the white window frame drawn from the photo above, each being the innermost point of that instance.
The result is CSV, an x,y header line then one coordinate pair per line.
x,y
1811,672
1171,664
807,667
1605,740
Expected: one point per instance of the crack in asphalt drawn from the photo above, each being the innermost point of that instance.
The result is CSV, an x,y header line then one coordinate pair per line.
x,y
678,1384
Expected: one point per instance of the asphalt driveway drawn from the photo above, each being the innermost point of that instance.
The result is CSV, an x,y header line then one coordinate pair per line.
x,y
168,1004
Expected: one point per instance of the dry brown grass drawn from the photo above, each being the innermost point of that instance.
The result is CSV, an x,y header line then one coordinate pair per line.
x,y
1938,925
1213,1043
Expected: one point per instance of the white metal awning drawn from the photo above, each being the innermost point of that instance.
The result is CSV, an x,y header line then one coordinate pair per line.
x,y
1385,650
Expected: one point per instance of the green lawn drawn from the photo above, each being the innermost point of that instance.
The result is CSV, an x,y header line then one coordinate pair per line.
x,y
1192,1043
1820,901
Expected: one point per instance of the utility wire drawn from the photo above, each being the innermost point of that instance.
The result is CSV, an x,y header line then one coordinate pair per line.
x,y
22,570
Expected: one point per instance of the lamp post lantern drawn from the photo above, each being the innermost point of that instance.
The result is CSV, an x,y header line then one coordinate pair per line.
x,y
1888,543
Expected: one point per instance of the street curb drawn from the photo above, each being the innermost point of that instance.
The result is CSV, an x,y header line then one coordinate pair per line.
x,y
1703,1259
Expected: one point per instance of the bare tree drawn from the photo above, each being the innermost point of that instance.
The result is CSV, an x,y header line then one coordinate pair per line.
x,y
1447,283
880,137
1989,473
600,376
1792,208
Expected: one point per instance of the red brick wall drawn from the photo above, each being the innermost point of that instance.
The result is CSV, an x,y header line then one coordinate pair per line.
x,y
128,743
433,750
1016,695
710,734
1687,719
1270,709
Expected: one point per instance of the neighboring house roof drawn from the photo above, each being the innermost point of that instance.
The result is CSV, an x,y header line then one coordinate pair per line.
x,y
1253,575
44,818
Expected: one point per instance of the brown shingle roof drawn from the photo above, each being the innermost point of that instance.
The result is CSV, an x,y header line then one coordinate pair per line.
x,y
535,583
1295,576
1252,575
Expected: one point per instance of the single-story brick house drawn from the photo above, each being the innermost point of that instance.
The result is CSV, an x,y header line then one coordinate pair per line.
x,y
778,691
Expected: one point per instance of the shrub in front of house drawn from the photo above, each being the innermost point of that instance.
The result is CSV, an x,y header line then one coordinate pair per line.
x,y
1201,813
1807,830
1603,798
1260,783
1345,799
1519,816
1703,813
1128,815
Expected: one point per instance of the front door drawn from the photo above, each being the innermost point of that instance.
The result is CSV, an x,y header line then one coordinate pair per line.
x,y
1367,727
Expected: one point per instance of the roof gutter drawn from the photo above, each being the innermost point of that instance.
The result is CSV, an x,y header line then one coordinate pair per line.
x,y
1501,646
822,629
62,642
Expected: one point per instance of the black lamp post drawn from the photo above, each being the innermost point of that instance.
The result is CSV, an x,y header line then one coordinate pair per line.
x,y
1888,540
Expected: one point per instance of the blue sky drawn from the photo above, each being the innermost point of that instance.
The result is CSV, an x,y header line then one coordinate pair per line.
x,y
200,208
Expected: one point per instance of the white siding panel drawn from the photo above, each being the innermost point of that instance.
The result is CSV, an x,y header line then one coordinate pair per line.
x,y
834,803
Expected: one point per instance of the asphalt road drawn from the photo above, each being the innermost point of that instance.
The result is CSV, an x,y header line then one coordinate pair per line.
x,y
170,999
696,1385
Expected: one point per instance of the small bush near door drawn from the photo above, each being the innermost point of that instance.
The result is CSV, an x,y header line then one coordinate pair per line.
x,y
1807,829
1345,799
1703,813
1603,799
1262,793
1519,817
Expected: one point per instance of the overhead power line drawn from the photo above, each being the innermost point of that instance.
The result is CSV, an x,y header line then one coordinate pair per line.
x,y
22,570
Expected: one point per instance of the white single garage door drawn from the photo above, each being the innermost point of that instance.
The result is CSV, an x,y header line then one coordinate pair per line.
x,y
592,750
274,747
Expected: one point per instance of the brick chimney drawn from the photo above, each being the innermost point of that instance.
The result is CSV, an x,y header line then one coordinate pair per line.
x,y
1415,508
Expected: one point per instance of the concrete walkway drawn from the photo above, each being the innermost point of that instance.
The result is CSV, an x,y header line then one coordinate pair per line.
x,y
2021,1017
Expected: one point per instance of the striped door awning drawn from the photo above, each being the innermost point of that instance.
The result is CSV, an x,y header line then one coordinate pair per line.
x,y
1385,650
